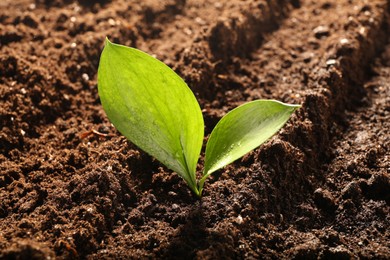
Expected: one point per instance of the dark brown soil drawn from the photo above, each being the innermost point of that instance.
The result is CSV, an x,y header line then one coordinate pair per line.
x,y
317,190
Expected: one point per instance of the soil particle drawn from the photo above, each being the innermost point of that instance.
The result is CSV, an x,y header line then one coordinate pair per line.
x,y
324,199
321,31
28,249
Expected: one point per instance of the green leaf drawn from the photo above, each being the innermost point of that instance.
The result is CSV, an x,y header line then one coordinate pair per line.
x,y
153,107
242,130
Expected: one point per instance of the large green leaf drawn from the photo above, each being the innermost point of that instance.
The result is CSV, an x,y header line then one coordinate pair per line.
x,y
242,130
153,107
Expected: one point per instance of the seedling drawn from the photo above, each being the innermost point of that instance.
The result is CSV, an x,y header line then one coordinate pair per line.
x,y
156,110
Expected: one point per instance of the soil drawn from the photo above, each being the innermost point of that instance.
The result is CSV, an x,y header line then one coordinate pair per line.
x,y
71,187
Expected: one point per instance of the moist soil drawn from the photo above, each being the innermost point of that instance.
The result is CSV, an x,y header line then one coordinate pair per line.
x,y
71,187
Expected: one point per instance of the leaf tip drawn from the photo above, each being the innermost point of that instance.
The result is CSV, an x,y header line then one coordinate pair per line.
x,y
107,41
293,106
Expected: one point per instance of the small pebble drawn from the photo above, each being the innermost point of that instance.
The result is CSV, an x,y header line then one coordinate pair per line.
x,y
331,62
172,193
362,31
111,22
85,77
367,13
239,220
200,21
344,41
187,31
321,31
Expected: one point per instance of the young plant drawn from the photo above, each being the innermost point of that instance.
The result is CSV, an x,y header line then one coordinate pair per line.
x,y
156,110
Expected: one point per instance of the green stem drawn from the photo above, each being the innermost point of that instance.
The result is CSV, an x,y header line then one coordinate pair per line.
x,y
201,183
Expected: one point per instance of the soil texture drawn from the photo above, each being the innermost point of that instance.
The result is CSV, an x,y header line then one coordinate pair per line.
x,y
71,187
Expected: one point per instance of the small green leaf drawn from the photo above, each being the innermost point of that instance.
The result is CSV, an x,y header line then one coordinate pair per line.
x,y
242,130
153,107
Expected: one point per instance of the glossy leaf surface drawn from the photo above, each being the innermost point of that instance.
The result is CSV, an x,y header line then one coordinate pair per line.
x,y
153,107
242,130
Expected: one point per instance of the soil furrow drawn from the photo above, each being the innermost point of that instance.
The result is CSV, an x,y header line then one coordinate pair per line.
x,y
358,174
318,189
328,86
238,30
